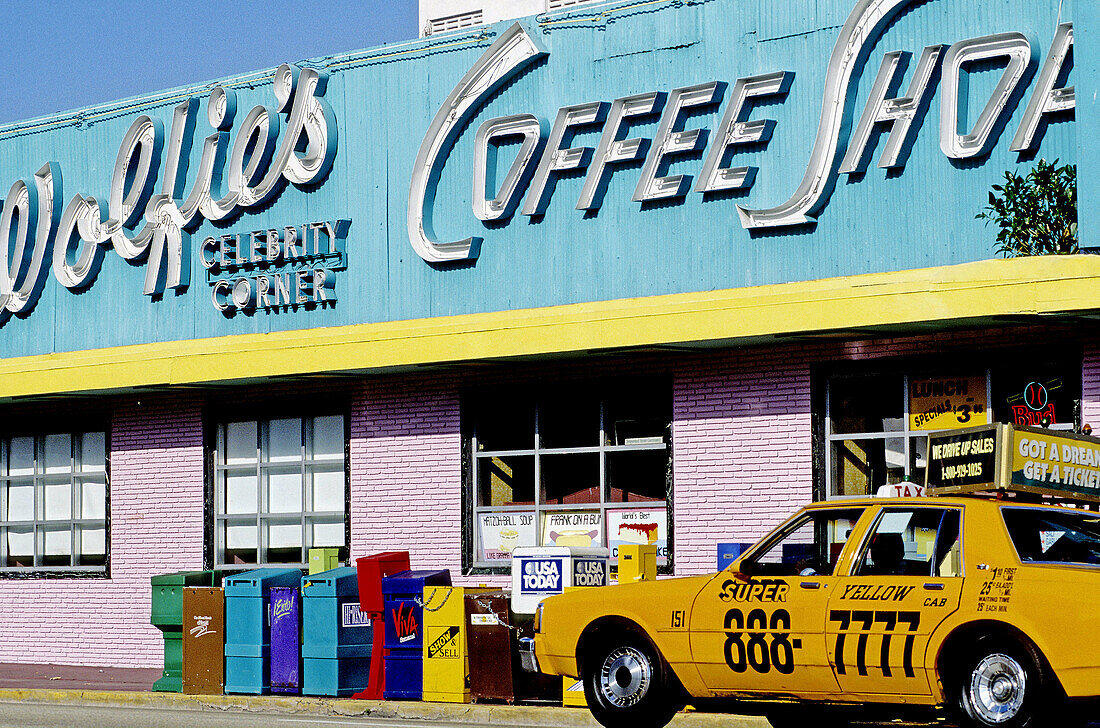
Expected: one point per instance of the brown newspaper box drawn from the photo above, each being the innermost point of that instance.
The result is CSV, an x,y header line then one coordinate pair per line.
x,y
491,641
203,641
492,633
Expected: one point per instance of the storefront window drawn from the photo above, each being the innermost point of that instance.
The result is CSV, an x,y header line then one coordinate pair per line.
x,y
877,424
53,502
280,489
571,466
1039,394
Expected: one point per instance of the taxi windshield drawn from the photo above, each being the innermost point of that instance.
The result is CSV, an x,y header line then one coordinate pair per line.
x,y
1047,535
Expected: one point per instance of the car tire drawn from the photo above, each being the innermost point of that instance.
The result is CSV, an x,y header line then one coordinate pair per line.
x,y
628,685
1000,685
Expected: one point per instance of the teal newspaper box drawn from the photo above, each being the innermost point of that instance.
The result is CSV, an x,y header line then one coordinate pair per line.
x,y
248,627
336,635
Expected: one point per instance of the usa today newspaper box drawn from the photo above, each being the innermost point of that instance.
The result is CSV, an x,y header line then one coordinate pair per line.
x,y
542,571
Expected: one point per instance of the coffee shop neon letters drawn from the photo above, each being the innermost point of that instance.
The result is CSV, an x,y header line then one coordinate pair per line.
x,y
541,155
249,169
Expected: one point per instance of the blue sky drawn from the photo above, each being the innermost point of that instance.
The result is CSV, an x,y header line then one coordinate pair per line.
x,y
58,55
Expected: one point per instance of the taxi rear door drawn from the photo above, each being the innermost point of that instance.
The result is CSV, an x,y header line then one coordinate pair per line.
x,y
905,581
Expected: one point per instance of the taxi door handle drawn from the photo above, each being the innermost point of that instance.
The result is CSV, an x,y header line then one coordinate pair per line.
x,y
934,587
809,584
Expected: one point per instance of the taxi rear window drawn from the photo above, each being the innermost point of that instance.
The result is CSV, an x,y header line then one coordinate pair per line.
x,y
1054,536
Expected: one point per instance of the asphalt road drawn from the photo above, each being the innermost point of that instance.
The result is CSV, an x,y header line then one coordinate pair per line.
x,y
51,715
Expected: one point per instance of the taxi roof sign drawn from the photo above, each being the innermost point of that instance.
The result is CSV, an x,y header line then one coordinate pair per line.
x,y
1033,460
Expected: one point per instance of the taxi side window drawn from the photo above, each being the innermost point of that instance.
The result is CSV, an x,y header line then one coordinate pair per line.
x,y
913,542
1070,537
809,546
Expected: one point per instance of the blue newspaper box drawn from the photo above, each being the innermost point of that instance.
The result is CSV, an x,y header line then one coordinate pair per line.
x,y
248,627
728,553
336,636
404,594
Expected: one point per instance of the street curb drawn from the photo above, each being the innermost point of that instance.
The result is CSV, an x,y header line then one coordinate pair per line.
x,y
476,714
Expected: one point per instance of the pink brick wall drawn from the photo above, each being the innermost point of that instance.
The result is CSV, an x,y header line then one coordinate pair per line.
x,y
742,459
156,527
741,452
406,471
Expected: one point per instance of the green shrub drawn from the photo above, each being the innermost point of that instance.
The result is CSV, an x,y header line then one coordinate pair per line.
x,y
1036,214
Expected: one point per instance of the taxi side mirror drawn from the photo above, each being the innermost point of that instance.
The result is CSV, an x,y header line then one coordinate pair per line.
x,y
741,571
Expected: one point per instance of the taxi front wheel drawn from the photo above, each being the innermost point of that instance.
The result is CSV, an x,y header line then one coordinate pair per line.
x,y
627,685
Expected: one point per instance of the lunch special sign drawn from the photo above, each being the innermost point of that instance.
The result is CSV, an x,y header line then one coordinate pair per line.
x,y
155,201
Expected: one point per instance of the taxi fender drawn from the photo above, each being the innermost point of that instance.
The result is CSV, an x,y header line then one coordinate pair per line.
x,y
572,620
957,634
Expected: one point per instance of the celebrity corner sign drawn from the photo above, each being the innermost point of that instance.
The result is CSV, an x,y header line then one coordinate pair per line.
x,y
264,154
295,265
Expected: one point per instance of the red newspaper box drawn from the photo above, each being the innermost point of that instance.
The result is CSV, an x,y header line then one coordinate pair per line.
x,y
370,571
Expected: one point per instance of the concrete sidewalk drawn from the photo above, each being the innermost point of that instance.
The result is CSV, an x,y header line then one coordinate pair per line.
x,y
73,685
74,677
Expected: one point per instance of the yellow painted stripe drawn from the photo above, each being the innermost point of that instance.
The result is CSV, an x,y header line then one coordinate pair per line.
x,y
992,288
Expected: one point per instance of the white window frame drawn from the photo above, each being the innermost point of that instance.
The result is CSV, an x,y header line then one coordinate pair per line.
x,y
77,474
907,435
603,505
261,467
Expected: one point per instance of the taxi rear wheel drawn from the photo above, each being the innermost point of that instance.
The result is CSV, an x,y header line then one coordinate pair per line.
x,y
627,685
1001,687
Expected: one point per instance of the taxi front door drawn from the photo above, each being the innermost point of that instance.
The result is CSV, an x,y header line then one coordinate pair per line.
x,y
765,632
881,618
762,636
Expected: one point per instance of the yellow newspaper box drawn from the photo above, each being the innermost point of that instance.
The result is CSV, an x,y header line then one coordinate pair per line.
x,y
446,660
637,562
323,560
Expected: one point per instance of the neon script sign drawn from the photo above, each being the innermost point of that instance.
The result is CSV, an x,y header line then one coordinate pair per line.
x,y
544,154
233,175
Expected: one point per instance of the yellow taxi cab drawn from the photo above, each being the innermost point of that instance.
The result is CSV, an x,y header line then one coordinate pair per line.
x,y
986,606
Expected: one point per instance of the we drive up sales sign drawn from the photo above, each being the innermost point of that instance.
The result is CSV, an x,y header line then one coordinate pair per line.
x,y
1029,459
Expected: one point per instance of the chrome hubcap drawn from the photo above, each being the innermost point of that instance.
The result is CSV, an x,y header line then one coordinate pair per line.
x,y
997,688
625,677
